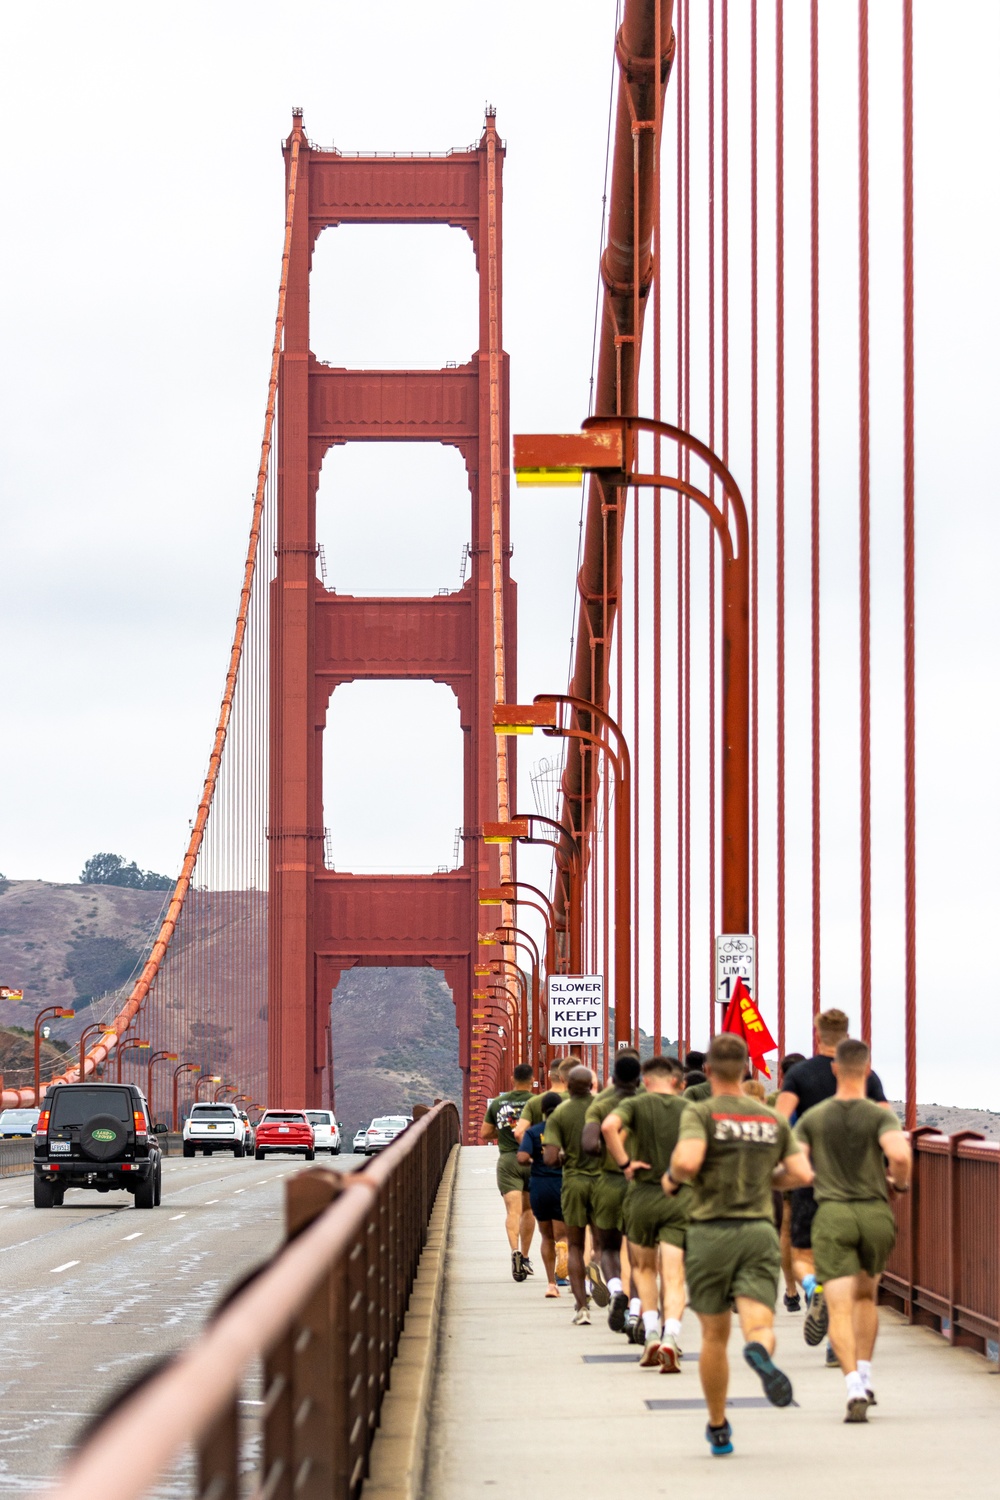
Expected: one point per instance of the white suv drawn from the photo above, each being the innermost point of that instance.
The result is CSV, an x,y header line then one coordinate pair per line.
x,y
325,1129
214,1127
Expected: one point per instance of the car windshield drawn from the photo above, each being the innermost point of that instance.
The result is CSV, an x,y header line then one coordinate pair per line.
x,y
211,1112
76,1105
295,1119
387,1122
319,1117
18,1119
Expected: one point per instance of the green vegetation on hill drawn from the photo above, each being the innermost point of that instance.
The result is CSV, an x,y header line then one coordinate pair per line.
x,y
111,869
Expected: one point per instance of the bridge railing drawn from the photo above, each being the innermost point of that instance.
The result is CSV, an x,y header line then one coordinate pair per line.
x,y
945,1268
317,1326
16,1157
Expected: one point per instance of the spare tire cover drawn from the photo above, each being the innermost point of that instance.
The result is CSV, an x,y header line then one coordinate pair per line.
x,y
103,1137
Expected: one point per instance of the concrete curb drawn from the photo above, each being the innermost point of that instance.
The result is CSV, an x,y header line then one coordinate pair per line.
x,y
398,1453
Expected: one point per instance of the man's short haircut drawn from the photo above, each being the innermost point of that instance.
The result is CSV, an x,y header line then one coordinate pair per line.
x,y
568,1064
727,1057
692,1079
853,1056
555,1070
579,1081
789,1061
523,1073
550,1101
627,1069
831,1025
755,1089
666,1067
694,1061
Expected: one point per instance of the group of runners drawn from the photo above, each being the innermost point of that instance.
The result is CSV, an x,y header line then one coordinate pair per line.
x,y
681,1182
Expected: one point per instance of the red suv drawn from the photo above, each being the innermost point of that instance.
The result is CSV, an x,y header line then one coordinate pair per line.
x,y
285,1130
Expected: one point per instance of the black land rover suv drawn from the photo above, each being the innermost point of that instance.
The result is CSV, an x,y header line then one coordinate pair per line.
x,y
96,1135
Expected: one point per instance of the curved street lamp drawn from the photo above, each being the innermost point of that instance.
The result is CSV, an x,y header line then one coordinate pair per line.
x,y
187,1067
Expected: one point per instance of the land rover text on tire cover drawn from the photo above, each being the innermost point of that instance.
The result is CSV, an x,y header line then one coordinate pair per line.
x,y
99,1136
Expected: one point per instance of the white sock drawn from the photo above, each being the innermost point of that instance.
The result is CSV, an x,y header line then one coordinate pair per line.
x,y
855,1387
673,1327
865,1371
635,1307
588,1285
614,1285
651,1323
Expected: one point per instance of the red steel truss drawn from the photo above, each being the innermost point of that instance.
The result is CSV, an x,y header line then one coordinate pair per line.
x,y
323,921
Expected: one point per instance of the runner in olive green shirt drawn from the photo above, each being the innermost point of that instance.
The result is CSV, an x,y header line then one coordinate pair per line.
x,y
512,1178
531,1114
562,1144
607,1221
734,1150
655,1223
848,1139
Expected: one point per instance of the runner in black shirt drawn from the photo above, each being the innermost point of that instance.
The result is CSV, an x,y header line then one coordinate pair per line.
x,y
804,1086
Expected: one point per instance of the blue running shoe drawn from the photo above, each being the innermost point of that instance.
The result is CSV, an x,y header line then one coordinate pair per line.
x,y
777,1386
720,1439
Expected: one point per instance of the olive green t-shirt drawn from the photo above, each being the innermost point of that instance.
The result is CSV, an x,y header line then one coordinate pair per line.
x,y
532,1111
600,1107
697,1091
745,1141
502,1112
653,1122
843,1137
564,1128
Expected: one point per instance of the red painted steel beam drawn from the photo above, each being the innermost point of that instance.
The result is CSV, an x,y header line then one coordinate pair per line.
x,y
620,344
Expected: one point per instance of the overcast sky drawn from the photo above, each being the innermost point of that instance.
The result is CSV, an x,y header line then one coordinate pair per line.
x,y
142,185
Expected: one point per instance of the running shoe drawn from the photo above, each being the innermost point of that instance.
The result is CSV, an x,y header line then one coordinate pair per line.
x,y
617,1312
526,1263
777,1386
832,1362
562,1281
857,1409
598,1285
870,1395
552,1290
649,1359
581,1318
793,1302
720,1440
670,1355
562,1262
817,1318
517,1266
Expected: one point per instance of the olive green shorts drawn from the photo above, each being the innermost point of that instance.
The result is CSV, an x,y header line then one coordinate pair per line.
x,y
852,1237
608,1200
651,1217
730,1258
588,1200
512,1175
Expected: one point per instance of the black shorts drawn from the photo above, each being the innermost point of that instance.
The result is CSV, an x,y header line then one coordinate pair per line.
x,y
546,1197
803,1213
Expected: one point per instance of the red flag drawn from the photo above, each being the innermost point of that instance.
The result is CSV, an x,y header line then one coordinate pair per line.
x,y
743,1018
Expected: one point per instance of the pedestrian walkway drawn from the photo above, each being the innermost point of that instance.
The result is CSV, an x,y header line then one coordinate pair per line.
x,y
524,1402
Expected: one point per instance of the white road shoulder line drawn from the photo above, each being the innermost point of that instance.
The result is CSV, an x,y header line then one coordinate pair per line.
x,y
64,1267
136,1236
177,1216
210,1200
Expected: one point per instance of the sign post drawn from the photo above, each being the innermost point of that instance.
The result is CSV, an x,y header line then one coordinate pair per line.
x,y
735,958
576,1010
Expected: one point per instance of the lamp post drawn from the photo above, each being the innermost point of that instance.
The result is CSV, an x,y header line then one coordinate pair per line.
x,y
225,1089
508,937
507,893
206,1078
568,862
543,713
506,966
187,1067
124,1047
155,1057
60,1013
110,1035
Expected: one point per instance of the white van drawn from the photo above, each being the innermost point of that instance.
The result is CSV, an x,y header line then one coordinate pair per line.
x,y
325,1129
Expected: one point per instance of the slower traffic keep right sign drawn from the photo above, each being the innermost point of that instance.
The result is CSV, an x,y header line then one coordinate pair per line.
x,y
576,1009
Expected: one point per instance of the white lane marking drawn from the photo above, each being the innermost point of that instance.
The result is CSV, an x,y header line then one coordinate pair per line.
x,y
210,1200
64,1267
177,1216
238,1192
136,1236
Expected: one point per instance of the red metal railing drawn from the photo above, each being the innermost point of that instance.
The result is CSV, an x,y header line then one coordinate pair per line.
x,y
320,1323
945,1269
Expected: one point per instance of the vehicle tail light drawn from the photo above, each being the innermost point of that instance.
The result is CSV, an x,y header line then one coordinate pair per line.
x,y
43,1122
140,1122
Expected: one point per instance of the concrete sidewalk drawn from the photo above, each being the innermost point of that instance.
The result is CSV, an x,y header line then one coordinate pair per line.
x,y
522,1398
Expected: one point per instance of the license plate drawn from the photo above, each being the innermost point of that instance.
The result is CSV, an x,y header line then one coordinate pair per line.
x,y
60,1146
213,1127
282,1129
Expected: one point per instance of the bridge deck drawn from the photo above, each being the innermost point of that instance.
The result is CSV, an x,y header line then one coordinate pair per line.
x,y
523,1398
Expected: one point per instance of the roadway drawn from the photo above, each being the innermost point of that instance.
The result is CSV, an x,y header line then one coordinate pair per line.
x,y
93,1292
